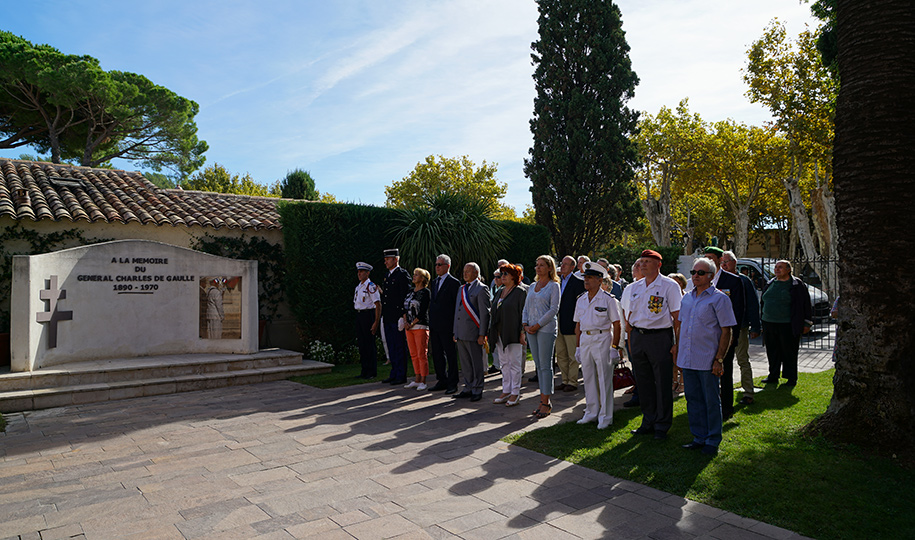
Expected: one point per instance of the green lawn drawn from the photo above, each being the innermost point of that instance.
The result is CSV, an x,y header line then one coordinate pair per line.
x,y
766,470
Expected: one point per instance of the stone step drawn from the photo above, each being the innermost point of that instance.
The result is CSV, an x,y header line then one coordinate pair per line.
x,y
113,380
147,367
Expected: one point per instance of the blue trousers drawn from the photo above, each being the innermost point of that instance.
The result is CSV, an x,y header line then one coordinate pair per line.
x,y
396,343
541,345
703,406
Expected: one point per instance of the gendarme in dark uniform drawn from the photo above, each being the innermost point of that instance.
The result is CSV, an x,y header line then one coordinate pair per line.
x,y
367,303
393,292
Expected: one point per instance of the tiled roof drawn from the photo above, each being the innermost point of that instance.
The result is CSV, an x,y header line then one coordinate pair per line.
x,y
38,190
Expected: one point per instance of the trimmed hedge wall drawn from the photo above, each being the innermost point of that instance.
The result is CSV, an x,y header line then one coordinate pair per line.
x,y
323,243
626,255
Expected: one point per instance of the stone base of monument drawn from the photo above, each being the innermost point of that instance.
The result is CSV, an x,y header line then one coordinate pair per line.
x,y
108,380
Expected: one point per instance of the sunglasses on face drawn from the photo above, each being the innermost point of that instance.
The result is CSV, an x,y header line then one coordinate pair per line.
x,y
699,272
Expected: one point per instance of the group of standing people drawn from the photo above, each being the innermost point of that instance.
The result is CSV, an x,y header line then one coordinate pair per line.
x,y
584,311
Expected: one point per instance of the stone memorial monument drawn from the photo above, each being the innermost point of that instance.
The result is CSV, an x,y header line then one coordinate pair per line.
x,y
129,298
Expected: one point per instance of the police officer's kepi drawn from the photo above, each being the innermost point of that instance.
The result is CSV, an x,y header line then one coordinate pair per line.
x,y
363,266
594,269
392,253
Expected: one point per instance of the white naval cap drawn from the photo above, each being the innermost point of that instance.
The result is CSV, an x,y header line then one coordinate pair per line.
x,y
594,269
363,266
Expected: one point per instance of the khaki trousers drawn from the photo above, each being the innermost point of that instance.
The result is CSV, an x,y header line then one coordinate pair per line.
x,y
565,357
742,354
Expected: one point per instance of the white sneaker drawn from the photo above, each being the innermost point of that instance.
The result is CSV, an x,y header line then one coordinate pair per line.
x,y
586,420
421,386
413,384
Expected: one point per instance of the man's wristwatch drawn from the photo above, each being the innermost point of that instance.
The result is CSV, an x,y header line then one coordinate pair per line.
x,y
719,360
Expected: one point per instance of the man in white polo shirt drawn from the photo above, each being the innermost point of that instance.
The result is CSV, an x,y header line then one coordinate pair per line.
x,y
651,322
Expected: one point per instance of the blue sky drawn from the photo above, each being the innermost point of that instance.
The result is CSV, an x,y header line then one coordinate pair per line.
x,y
358,92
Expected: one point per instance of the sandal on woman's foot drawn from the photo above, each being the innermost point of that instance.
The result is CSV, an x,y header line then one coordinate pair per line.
x,y
541,414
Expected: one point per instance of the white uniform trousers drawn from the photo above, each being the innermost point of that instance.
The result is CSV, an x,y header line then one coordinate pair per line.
x,y
597,373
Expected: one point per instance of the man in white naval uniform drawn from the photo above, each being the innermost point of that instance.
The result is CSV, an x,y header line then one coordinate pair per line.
x,y
597,331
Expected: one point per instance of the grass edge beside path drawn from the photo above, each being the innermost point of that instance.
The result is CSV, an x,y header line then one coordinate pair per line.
x,y
766,470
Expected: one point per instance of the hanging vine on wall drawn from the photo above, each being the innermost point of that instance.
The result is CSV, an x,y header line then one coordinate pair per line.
x,y
271,265
31,242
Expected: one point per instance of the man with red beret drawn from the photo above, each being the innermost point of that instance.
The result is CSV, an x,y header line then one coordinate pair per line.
x,y
651,321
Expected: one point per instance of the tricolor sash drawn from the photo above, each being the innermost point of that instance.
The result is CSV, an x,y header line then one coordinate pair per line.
x,y
469,307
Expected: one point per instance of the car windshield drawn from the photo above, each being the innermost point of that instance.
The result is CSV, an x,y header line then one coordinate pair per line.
x,y
769,269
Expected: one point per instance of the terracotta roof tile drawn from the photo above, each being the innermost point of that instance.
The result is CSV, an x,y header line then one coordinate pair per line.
x,y
44,191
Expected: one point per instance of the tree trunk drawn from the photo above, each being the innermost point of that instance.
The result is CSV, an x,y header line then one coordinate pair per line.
x,y
823,208
799,217
874,402
742,235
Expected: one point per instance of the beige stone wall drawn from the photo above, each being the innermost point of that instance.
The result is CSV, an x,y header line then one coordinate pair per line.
x,y
282,331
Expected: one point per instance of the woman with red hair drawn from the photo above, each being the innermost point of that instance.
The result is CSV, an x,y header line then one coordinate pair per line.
x,y
506,334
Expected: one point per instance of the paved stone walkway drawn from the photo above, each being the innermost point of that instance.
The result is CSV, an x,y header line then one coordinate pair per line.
x,y
283,460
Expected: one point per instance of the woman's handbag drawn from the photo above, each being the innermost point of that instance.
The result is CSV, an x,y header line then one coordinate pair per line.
x,y
622,376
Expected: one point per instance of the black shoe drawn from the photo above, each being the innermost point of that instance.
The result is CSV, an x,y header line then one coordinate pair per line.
x,y
693,446
476,397
769,380
631,403
710,450
438,386
725,417
398,381
533,379
660,435
790,383
463,395
451,391
387,381
493,370
642,431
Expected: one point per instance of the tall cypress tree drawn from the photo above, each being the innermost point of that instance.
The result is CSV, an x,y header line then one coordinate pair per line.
x,y
582,161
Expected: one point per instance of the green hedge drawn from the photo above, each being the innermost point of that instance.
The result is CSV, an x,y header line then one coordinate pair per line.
x,y
323,243
626,255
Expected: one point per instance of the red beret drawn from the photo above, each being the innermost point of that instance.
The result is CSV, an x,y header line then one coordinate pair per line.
x,y
652,254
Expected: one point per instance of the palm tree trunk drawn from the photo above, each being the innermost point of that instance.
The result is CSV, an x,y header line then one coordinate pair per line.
x,y
874,399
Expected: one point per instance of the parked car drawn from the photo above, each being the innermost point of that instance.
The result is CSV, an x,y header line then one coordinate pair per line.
x,y
760,271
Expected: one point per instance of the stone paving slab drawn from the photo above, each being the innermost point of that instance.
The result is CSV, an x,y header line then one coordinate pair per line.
x,y
282,460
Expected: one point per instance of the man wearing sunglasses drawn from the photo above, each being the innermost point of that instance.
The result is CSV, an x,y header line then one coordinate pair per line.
x,y
703,338
730,285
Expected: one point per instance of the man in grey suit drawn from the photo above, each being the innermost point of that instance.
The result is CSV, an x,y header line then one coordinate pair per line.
x,y
471,324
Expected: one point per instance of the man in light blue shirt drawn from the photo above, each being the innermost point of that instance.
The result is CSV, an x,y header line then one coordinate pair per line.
x,y
703,338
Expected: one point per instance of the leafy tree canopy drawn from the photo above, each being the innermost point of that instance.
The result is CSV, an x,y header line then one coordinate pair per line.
x,y
69,106
298,184
454,176
216,178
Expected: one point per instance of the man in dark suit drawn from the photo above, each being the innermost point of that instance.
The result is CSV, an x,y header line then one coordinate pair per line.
x,y
393,293
441,326
571,285
730,285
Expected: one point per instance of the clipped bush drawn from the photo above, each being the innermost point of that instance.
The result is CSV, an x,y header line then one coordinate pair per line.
x,y
323,242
